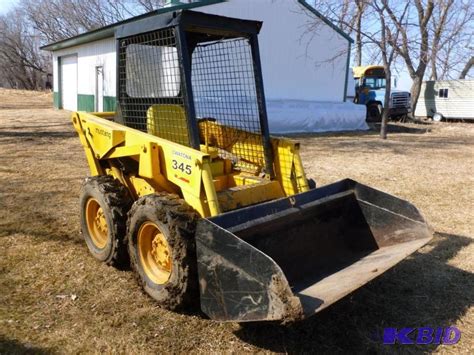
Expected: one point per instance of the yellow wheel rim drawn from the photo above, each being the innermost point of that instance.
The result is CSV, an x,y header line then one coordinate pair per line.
x,y
96,223
154,253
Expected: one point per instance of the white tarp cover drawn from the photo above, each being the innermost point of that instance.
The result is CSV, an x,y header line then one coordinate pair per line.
x,y
294,116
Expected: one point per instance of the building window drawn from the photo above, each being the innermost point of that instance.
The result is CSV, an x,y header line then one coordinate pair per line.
x,y
443,93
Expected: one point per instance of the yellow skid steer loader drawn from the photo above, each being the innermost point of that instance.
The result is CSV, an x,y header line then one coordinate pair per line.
x,y
190,187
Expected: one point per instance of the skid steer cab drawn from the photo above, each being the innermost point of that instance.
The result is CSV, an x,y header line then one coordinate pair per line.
x,y
189,187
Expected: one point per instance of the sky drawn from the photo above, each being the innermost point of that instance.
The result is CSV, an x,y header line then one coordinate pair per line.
x,y
6,5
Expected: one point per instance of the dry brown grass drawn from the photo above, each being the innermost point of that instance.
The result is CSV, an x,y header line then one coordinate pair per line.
x,y
55,297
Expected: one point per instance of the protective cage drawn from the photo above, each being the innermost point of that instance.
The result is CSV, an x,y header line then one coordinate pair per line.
x,y
195,79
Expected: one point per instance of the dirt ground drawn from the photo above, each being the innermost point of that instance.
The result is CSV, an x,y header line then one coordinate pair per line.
x,y
56,298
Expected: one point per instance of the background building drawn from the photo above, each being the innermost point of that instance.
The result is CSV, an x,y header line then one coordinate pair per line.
x,y
305,61
452,99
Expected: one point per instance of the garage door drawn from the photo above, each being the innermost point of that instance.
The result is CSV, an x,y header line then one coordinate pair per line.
x,y
69,82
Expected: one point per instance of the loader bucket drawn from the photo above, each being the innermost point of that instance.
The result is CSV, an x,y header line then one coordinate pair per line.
x,y
290,258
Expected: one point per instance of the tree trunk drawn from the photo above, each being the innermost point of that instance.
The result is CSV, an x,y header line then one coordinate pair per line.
x,y
386,105
358,54
466,68
415,93
434,71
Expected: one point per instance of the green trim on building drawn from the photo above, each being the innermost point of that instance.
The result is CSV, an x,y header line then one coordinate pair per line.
x,y
85,103
326,20
60,86
56,99
348,63
109,103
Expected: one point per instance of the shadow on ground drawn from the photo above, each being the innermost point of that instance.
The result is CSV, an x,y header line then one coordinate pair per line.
x,y
36,126
421,291
8,346
398,128
373,131
37,134
27,215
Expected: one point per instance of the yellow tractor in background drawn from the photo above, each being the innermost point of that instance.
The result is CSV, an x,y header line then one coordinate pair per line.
x,y
188,185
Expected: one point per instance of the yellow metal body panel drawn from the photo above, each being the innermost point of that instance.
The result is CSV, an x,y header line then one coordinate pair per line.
x,y
145,163
288,166
359,72
142,187
94,165
102,136
169,166
245,195
107,115
149,164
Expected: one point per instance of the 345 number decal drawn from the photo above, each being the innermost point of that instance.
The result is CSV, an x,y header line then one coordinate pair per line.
x,y
182,167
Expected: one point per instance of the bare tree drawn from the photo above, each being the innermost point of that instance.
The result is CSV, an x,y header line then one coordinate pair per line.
x,y
422,36
467,67
22,63
387,41
378,35
348,15
437,26
150,5
415,43
36,22
373,32
434,33
453,50
360,5
60,19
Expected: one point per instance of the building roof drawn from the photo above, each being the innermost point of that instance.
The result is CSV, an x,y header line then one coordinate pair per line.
x,y
326,20
109,31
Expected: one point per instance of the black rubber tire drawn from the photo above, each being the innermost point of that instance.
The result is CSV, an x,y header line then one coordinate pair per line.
x,y
115,201
374,112
177,221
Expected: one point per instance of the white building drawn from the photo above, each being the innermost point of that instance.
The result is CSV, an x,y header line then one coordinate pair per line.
x,y
300,65
452,99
